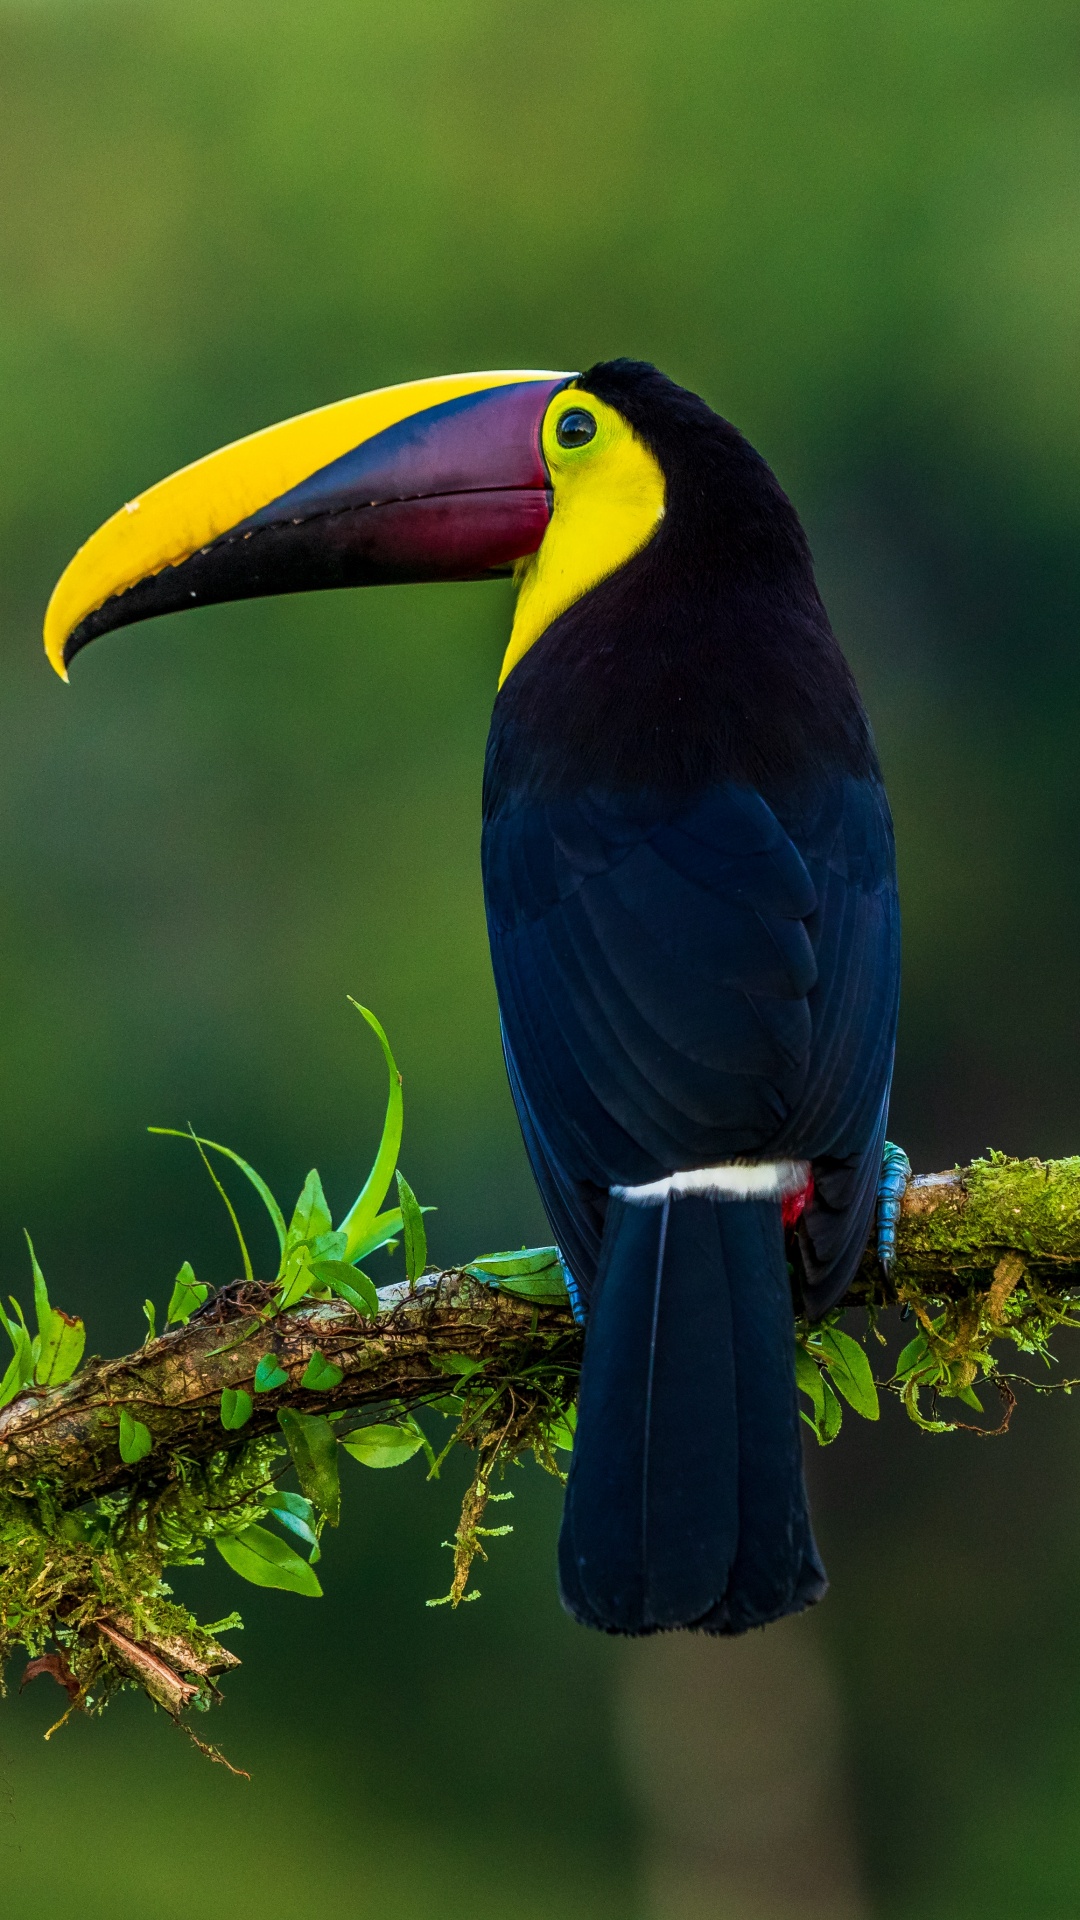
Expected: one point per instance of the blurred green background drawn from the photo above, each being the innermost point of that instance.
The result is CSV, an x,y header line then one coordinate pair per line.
x,y
855,230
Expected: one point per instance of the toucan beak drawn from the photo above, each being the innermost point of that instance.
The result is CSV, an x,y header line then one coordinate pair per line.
x,y
437,480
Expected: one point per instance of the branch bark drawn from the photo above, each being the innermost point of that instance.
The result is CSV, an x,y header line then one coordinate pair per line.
x,y
977,1229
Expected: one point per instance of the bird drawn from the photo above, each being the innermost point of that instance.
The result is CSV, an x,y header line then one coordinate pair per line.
x,y
690,884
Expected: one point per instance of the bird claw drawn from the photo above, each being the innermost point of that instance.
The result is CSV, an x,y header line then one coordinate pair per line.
x,y
895,1174
577,1304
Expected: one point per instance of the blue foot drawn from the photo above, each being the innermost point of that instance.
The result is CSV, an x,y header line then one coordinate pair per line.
x,y
577,1305
895,1174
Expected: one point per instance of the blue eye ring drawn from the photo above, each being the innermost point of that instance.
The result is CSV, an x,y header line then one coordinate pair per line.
x,y
576,428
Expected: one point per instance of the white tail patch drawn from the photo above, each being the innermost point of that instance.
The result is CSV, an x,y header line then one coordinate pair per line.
x,y
763,1180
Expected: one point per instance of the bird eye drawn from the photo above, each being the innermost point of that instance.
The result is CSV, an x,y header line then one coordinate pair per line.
x,y
575,428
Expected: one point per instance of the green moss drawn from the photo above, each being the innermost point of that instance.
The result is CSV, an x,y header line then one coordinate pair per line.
x,y
66,1574
998,1203
520,1403
991,1261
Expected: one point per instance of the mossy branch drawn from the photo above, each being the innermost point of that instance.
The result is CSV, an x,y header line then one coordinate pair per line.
x,y
985,1254
68,1436
954,1232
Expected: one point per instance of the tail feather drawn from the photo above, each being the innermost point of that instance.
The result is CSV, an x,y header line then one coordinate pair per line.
x,y
686,1505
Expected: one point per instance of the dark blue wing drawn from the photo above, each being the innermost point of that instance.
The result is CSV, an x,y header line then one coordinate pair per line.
x,y
847,841
679,989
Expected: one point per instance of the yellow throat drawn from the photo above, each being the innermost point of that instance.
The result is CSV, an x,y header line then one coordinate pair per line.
x,y
608,502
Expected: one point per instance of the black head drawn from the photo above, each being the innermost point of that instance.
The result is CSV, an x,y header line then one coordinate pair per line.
x,y
708,654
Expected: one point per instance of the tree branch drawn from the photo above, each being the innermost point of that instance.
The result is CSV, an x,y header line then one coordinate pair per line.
x,y
984,1254
68,1435
954,1230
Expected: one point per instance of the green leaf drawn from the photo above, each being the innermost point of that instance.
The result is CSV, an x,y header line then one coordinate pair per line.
x,y
41,1293
258,1555
917,1361
412,1224
329,1246
911,1355
187,1296
825,1419
135,1439
849,1371
384,1446
313,1446
970,1398
826,1425
458,1363
270,1374
20,1370
256,1179
35,1344
348,1282
809,1380
320,1374
12,1382
531,1273
515,1265
384,1228
19,1314
235,1408
190,1134
834,1414
293,1511
61,1354
150,1311
561,1431
61,1339
548,1288
282,1501
350,1296
249,1271
311,1215
296,1277
362,1215
449,1404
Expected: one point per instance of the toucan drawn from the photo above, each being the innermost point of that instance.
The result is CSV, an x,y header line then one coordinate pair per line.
x,y
689,876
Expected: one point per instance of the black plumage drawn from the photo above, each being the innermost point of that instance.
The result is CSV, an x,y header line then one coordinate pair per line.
x,y
690,884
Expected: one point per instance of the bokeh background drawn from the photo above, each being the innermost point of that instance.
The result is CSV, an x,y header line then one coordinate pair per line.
x,y
855,230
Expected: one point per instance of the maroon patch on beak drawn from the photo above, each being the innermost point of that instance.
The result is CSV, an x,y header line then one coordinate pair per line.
x,y
486,442
446,536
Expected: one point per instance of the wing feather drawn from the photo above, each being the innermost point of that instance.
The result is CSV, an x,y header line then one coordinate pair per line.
x,y
679,988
